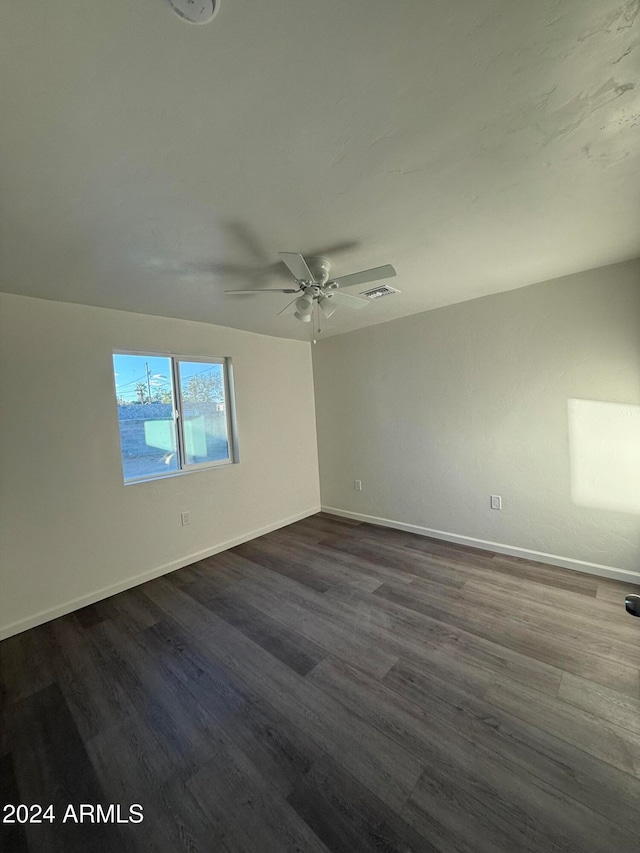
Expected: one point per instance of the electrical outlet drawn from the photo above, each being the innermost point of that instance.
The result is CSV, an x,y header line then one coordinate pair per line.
x,y
357,485
496,502
185,517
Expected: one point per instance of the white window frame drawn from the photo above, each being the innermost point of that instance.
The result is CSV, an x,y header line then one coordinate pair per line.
x,y
185,467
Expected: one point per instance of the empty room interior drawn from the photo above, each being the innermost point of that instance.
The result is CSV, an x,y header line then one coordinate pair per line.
x,y
320,426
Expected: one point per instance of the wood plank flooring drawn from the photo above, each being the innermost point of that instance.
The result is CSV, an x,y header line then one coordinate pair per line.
x,y
333,686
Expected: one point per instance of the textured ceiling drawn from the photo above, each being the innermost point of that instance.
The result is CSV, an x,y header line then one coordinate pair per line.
x,y
148,164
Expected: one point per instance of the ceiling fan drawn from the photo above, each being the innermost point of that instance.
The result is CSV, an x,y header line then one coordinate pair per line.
x,y
317,288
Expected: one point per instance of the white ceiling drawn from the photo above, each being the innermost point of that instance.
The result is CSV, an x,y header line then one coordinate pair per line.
x,y
477,145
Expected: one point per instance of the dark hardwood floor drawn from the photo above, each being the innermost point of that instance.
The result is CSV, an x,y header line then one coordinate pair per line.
x,y
333,686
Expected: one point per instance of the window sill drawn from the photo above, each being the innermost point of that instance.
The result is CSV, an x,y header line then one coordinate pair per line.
x,y
192,469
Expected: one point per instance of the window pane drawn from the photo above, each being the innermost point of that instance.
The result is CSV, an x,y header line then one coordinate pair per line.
x,y
145,414
204,414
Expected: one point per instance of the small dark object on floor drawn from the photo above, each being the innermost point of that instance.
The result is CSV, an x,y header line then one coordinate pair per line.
x,y
632,603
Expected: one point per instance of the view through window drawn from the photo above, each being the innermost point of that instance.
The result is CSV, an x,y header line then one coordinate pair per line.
x,y
175,413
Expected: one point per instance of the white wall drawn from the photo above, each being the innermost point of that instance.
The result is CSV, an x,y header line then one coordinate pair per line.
x,y
437,411
70,530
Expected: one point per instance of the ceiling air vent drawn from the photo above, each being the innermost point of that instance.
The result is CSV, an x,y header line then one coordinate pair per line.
x,y
377,292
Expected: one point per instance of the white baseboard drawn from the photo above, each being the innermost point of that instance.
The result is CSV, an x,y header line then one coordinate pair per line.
x,y
513,551
90,598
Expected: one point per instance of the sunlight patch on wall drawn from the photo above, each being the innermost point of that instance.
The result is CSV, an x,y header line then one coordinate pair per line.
x,y
604,449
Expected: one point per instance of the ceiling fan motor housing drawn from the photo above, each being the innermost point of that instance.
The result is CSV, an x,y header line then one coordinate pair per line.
x,y
319,268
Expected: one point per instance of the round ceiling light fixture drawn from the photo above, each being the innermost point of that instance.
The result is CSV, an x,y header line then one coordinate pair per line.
x,y
195,11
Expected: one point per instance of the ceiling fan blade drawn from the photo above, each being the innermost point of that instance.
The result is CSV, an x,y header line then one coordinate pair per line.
x,y
266,290
364,276
345,300
297,266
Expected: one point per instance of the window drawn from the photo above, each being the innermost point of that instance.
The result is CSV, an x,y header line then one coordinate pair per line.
x,y
175,414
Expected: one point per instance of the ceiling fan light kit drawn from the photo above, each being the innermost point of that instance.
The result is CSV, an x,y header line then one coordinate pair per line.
x,y
304,307
326,307
312,277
